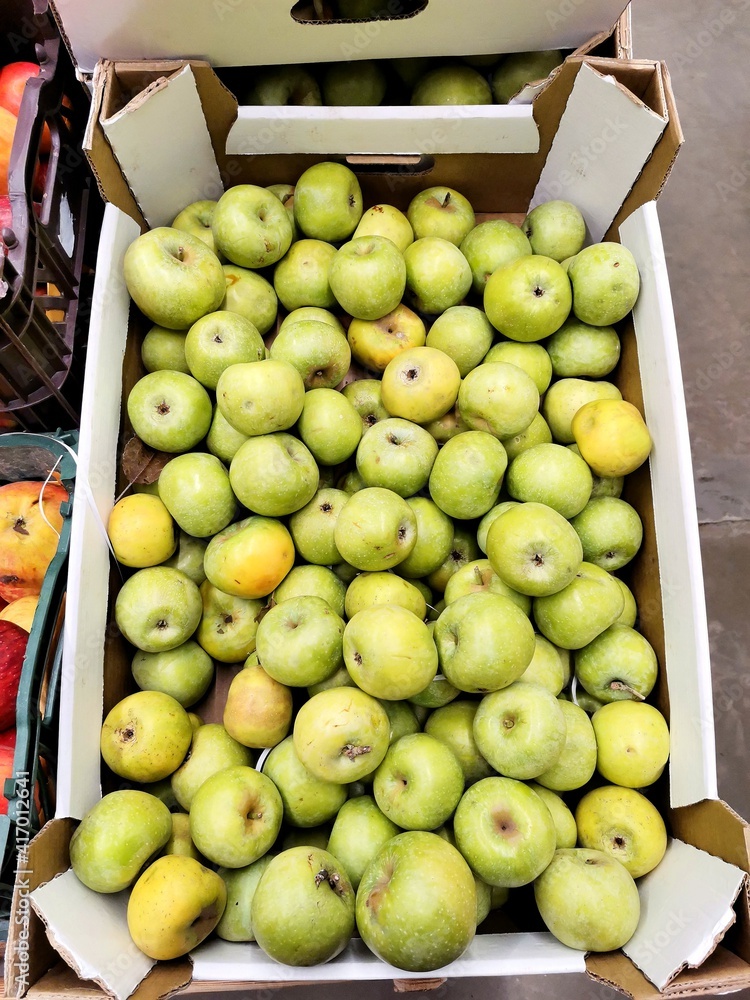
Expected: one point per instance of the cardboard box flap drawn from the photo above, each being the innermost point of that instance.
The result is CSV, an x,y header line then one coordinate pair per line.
x,y
722,972
234,33
162,143
686,908
232,962
606,135
715,828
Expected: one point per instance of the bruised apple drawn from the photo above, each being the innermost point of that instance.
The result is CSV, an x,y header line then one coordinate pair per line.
x,y
28,540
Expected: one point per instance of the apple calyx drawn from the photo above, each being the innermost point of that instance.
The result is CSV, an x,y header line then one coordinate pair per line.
x,y
622,686
538,292
333,879
162,408
352,752
20,526
126,735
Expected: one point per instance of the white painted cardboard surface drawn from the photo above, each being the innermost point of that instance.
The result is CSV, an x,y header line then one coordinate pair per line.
x,y
604,138
487,955
164,149
262,32
692,765
91,930
686,906
78,787
384,130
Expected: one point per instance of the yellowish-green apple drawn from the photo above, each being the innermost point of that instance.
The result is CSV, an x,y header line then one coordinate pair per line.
x,y
566,831
623,824
369,590
211,750
453,725
145,736
520,730
258,709
565,398
577,761
632,743
308,800
241,883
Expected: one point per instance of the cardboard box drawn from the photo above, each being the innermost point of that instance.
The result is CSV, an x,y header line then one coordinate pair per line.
x,y
233,33
608,136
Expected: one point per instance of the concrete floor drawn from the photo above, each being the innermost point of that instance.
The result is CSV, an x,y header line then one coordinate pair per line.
x,y
705,216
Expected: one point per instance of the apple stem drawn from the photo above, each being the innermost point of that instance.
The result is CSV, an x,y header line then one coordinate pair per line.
x,y
622,686
352,752
333,879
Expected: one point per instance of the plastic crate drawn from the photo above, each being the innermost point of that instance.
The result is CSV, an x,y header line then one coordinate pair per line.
x,y
40,276
30,792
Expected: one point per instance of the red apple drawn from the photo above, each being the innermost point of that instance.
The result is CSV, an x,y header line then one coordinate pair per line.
x,y
13,79
13,641
27,542
7,750
7,130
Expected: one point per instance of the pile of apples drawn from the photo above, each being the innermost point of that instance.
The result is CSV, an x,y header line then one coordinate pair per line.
x,y
418,81
407,557
30,523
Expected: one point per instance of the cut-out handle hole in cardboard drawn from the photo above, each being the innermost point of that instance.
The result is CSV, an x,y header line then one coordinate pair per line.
x,y
402,164
346,11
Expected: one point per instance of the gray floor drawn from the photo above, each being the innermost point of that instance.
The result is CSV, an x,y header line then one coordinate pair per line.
x,y
705,216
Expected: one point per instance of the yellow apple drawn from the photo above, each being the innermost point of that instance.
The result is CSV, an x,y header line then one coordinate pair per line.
x,y
632,743
376,342
142,531
258,709
20,612
624,824
611,436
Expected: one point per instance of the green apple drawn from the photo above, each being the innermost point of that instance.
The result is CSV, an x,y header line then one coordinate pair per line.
x,y
235,816
579,349
552,475
295,474
452,84
441,212
340,678
158,608
531,358
467,475
368,590
328,202
389,652
359,832
463,549
241,883
376,529
566,397
439,691
484,642
402,719
566,832
420,384
397,455
299,641
537,432
604,486
329,426
188,558
228,625
491,245
169,411
261,397
313,581
180,842
145,736
297,836
221,339
618,664
577,614
528,299
313,526
434,540
211,750
610,530
164,350
301,276
629,614
453,725
196,219
305,313
463,333
303,908
447,426
520,730
341,734
117,837
251,226
173,277
489,519
196,491
624,825
184,672
385,220
285,194
555,229
319,352
576,763
308,800
605,283
633,743
419,783
479,576
438,275
258,710
368,277
520,68
505,831
364,395
499,398
222,439
251,296
546,667
417,903
588,900
279,86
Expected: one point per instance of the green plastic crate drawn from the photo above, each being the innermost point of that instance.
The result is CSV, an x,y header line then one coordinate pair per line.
x,y
30,797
